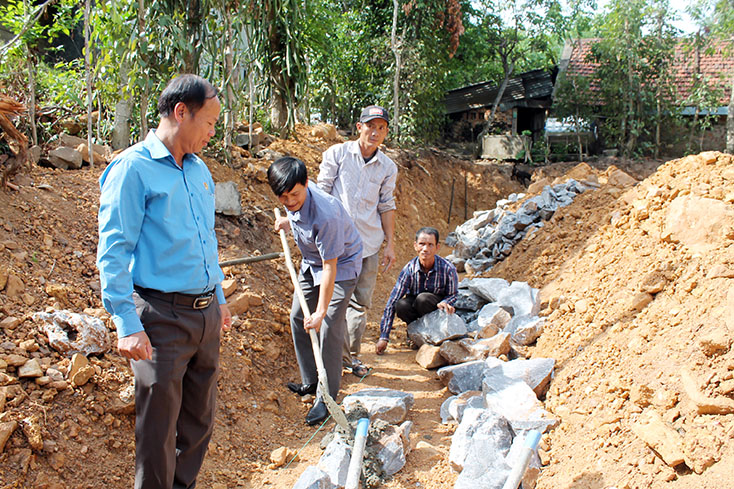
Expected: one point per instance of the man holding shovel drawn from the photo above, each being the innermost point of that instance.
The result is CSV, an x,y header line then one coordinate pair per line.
x,y
331,252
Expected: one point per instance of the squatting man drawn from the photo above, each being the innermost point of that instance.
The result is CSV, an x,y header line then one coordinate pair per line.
x,y
428,282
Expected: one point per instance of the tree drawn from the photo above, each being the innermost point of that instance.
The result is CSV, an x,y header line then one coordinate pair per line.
x,y
514,29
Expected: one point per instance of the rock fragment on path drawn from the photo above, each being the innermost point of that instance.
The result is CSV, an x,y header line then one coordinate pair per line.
x,y
452,409
463,377
314,478
429,356
483,432
30,369
492,319
65,158
436,327
388,405
703,403
535,372
33,428
335,460
80,370
394,447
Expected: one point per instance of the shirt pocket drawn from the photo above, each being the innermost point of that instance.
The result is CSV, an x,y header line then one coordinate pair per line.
x,y
370,195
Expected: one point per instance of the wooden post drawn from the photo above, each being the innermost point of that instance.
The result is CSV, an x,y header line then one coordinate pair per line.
x,y
451,201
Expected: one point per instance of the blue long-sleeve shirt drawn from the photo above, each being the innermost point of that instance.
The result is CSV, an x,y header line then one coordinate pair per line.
x,y
156,229
441,280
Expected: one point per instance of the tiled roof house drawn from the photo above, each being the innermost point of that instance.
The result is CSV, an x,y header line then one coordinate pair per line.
x,y
717,66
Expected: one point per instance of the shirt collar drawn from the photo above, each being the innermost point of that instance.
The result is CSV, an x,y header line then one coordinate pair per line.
x,y
354,149
159,151
417,265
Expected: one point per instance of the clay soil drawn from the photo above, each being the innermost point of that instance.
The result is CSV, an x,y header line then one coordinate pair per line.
x,y
615,360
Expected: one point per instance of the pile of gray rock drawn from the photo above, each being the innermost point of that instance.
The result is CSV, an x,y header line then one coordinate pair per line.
x,y
493,319
489,236
388,441
70,153
495,405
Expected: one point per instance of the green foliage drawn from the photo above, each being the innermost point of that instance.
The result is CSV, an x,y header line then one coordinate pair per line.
x,y
634,57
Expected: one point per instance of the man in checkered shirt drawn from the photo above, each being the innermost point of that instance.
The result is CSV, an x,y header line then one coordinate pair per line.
x,y
428,282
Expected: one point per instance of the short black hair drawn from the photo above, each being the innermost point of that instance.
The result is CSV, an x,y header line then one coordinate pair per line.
x,y
428,231
285,173
192,90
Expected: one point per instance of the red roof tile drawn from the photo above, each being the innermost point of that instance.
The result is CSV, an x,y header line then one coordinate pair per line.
x,y
717,64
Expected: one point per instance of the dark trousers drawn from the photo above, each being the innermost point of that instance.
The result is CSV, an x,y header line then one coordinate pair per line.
x,y
175,392
412,307
331,335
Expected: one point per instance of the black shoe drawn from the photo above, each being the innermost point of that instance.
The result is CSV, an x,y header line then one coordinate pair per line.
x,y
302,389
317,414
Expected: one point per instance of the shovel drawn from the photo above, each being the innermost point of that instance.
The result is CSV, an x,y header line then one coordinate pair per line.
x,y
331,405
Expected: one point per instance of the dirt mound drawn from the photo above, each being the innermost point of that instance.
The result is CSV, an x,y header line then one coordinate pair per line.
x,y
639,300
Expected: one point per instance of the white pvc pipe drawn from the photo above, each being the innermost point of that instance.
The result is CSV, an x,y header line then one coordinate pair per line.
x,y
355,463
531,443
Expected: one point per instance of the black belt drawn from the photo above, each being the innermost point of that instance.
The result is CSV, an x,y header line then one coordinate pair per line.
x,y
194,301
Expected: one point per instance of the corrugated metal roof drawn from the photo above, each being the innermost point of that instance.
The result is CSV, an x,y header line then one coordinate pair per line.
x,y
535,84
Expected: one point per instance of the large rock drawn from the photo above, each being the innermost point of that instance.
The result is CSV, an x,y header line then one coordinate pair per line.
x,y
393,448
335,460
314,478
387,404
480,349
453,408
91,336
483,433
525,329
488,288
6,429
30,369
65,158
436,327
466,299
516,401
492,319
535,372
523,299
227,199
463,377
455,353
429,356
698,222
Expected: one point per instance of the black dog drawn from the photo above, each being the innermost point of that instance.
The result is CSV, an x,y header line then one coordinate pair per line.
x,y
521,174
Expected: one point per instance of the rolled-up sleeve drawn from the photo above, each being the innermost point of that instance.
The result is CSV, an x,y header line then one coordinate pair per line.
x,y
121,214
387,199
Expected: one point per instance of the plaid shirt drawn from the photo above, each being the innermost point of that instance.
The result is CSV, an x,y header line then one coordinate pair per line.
x,y
441,280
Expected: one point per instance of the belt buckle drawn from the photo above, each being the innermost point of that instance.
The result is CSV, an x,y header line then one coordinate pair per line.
x,y
202,302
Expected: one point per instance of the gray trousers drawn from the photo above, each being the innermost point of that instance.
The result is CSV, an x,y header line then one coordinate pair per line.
x,y
360,301
331,336
175,392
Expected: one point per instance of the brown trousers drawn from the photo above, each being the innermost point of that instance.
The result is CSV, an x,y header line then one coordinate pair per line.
x,y
175,392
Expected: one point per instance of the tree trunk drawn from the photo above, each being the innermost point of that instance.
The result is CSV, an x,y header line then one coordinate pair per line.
x,y
229,74
503,86
396,46
121,130
88,69
144,91
32,97
730,120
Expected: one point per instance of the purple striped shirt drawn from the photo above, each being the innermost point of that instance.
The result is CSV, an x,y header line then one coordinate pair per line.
x,y
441,280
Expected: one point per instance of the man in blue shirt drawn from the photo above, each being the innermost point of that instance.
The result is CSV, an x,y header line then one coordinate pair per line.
x,y
428,282
331,251
161,282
